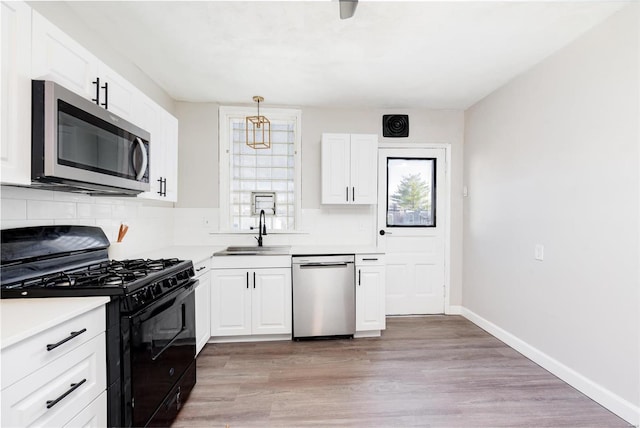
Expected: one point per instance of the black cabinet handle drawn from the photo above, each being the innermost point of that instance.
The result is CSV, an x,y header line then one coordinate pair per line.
x,y
247,279
204,267
97,98
347,193
105,104
73,334
369,260
254,280
359,277
353,194
74,386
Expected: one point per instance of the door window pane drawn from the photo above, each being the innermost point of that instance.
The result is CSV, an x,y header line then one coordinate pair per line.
x,y
411,196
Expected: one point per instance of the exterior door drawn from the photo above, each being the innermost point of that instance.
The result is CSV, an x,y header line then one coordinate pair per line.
x,y
411,225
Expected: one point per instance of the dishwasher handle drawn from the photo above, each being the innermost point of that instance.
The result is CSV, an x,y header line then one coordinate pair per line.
x,y
323,265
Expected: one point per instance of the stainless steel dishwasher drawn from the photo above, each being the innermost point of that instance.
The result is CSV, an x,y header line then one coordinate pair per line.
x,y
324,302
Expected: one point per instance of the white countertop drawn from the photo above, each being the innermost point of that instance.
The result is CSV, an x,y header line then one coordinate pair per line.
x,y
22,318
195,253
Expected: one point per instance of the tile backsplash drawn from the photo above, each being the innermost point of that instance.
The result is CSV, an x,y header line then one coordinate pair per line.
x,y
150,222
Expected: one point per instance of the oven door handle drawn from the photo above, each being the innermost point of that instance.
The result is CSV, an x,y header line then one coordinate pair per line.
x,y
168,345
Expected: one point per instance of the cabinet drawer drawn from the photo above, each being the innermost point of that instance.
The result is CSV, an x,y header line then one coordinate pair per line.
x,y
30,354
93,416
369,259
66,385
202,267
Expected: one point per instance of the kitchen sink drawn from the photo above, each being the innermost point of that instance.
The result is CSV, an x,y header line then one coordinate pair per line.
x,y
271,250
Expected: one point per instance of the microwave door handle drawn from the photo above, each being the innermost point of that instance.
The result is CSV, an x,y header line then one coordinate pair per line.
x,y
145,159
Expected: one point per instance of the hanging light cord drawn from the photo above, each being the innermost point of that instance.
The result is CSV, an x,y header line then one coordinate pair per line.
x,y
258,125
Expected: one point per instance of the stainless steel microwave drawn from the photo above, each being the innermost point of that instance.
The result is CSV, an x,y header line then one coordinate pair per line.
x,y
80,147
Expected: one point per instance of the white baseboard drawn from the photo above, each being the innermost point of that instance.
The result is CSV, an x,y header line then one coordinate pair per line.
x,y
616,404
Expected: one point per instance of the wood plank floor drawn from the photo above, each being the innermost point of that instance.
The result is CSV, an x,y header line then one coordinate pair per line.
x,y
435,371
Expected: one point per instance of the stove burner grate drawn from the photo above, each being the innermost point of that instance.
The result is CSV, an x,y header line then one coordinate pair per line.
x,y
112,273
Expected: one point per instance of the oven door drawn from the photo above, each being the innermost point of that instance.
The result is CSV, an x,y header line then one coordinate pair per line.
x,y
161,346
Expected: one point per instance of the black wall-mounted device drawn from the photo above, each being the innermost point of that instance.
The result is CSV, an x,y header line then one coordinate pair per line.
x,y
395,125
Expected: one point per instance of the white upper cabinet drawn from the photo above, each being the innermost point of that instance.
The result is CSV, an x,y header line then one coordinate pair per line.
x,y
170,164
116,93
57,57
15,137
349,168
163,148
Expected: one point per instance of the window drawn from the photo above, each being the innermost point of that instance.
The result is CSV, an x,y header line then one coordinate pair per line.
x,y
411,192
255,179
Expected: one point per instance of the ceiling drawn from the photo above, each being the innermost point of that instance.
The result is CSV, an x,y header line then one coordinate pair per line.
x,y
391,54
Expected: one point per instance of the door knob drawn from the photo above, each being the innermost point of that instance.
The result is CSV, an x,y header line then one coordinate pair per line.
x,y
382,232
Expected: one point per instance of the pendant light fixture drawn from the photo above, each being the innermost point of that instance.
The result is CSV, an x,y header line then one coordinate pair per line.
x,y
258,129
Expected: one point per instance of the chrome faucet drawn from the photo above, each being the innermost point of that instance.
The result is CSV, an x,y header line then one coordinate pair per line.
x,y
262,227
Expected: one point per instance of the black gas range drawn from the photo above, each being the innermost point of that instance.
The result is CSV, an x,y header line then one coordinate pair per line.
x,y
150,318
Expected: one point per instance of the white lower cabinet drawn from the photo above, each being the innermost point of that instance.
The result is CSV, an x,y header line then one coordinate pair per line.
x,y
370,293
251,301
93,416
61,376
203,304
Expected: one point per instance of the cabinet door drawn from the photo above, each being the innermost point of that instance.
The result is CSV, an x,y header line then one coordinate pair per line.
x,y
170,166
148,116
119,94
230,302
271,301
163,148
370,298
15,138
335,169
92,416
203,310
57,57
364,169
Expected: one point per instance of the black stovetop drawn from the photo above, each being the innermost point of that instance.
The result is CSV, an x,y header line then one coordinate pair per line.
x,y
72,261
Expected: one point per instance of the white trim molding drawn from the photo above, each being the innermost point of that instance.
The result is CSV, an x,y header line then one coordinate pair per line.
x,y
225,114
448,308
616,404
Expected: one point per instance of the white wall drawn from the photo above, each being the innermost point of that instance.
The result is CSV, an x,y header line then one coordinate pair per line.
x,y
197,213
150,223
552,158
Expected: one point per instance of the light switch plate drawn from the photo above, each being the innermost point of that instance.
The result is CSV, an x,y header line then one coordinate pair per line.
x,y
539,252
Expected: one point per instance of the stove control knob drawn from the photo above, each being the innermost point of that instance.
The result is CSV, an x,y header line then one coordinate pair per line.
x,y
135,300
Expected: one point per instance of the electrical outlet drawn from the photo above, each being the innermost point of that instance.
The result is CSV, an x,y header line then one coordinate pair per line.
x,y
539,252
